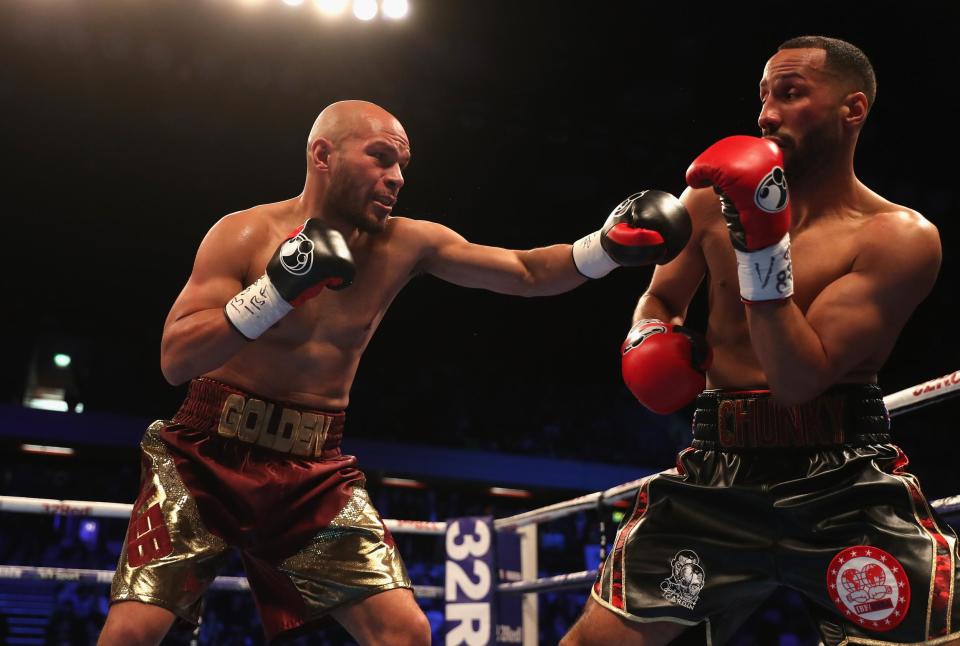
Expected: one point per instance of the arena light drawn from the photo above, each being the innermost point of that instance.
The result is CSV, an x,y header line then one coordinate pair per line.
x,y
51,399
506,492
62,360
365,9
331,8
40,449
404,483
395,9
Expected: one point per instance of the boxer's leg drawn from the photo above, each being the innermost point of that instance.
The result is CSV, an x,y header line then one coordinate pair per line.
x,y
598,626
131,623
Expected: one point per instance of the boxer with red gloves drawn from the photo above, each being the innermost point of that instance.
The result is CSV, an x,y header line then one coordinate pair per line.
x,y
747,173
792,478
664,365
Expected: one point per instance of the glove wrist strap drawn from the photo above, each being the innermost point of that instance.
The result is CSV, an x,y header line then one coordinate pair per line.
x,y
590,258
766,274
256,308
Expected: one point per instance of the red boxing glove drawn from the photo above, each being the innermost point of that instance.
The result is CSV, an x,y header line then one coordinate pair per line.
x,y
747,172
664,365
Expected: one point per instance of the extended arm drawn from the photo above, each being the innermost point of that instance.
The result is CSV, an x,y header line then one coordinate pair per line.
x,y
646,228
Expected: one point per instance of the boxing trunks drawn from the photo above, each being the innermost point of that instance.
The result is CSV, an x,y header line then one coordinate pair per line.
x,y
812,497
233,470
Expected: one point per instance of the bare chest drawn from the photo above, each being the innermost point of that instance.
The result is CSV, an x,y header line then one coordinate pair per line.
x,y
347,318
820,255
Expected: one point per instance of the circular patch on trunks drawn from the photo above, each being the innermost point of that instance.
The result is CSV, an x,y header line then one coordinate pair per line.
x,y
869,587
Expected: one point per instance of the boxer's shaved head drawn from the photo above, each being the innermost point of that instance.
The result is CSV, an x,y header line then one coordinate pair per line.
x,y
345,119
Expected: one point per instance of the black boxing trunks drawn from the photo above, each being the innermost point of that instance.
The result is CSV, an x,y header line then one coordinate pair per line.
x,y
812,497
233,470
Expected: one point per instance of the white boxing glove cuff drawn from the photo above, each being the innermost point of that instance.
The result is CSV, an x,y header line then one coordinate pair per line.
x,y
590,258
256,308
766,274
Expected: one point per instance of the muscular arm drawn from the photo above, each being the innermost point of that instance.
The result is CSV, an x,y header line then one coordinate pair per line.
x,y
196,335
854,320
536,272
673,285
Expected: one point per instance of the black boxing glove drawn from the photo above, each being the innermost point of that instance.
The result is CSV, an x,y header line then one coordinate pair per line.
x,y
650,227
312,257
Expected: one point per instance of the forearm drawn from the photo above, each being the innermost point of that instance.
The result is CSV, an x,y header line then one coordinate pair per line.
x,y
197,344
549,270
651,306
790,351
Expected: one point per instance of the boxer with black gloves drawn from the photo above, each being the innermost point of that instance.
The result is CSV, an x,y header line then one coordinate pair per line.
x,y
792,479
312,257
650,227
269,331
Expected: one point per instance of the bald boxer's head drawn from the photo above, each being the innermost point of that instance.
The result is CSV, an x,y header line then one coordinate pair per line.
x,y
356,152
816,94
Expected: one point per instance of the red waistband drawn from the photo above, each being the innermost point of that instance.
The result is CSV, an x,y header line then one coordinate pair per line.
x,y
231,413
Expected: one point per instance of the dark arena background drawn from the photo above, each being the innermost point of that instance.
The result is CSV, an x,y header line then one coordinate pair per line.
x,y
130,126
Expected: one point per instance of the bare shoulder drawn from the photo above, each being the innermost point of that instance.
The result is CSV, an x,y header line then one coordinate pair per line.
x,y
235,239
899,241
249,225
895,228
420,233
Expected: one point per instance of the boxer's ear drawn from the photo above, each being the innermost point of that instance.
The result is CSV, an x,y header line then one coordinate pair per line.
x,y
854,108
319,153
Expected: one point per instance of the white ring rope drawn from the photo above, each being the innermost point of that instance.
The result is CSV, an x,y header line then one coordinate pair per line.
x,y
230,583
122,510
908,399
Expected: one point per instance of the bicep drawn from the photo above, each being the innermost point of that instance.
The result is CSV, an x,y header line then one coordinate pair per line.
x,y
859,316
450,257
217,274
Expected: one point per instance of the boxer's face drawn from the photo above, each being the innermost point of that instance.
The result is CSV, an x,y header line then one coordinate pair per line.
x,y
366,175
801,108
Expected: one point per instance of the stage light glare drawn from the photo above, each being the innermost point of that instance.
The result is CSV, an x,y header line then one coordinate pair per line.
x,y
365,9
395,9
332,7
293,3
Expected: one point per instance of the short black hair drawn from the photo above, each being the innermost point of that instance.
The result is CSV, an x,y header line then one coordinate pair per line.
x,y
843,58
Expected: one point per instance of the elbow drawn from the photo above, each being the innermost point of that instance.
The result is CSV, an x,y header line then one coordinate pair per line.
x,y
527,287
174,372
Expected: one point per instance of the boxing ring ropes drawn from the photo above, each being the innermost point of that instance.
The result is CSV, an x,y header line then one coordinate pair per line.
x,y
524,524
